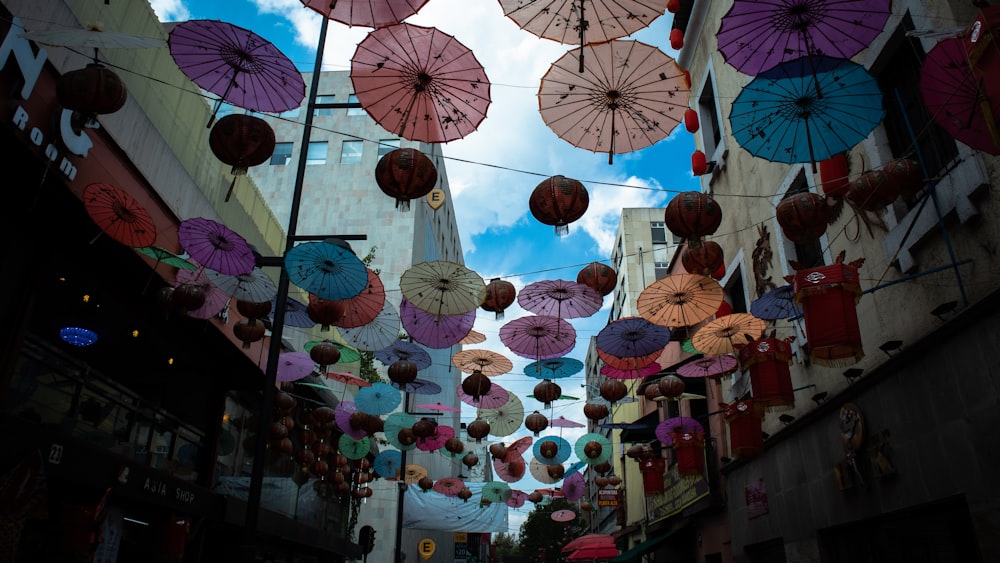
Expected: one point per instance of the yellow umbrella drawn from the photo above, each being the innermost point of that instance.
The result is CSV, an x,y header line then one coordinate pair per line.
x,y
726,335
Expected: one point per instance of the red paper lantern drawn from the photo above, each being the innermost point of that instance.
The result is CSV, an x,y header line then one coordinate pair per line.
x,y
651,393
424,428
699,163
500,294
425,483
745,437
325,354
652,475
833,175
476,385
671,386
720,272
454,445
771,381
248,333
402,371
595,411
689,448
599,277
724,309
673,6
704,259
535,497
906,172
325,312
613,389
536,422
478,429
470,460
241,141
253,310
873,190
803,216
92,90
405,174
188,297
691,121
559,201
547,391
548,449
828,296
555,471
692,215
677,39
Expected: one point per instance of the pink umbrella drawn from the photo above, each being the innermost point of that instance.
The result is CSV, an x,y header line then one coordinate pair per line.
x,y
215,298
495,398
563,422
436,407
449,486
435,331
560,298
517,498
435,441
594,552
564,515
342,416
293,366
588,539
633,373
538,337
509,468
573,486
366,13
708,366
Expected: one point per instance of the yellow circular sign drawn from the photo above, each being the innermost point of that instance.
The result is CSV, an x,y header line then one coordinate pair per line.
x,y
426,548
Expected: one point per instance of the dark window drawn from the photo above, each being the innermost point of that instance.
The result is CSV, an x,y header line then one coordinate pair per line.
x,y
661,269
325,99
708,112
735,293
385,146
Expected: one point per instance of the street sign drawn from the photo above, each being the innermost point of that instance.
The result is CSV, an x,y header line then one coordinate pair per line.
x,y
436,198
426,547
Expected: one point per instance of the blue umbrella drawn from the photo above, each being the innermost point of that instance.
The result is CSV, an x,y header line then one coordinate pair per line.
x,y
393,424
419,387
380,398
404,350
555,368
296,313
807,109
632,337
778,303
326,270
563,450
388,463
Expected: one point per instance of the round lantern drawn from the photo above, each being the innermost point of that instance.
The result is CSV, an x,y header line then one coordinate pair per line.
x,y
906,172
247,332
241,141
91,91
283,402
828,296
454,445
188,296
325,354
559,201
478,429
677,39
613,390
692,215
601,482
277,431
476,385
358,419
425,483
833,174
875,189
324,312
614,480
424,428
535,497
603,467
673,6
555,471
691,121
770,379
653,471
599,277
548,449
652,393
595,411
406,437
470,460
744,420
547,391
402,371
536,422
689,449
803,216
465,494
405,174
500,294
253,310
671,386
498,450
283,446
705,259
699,163
593,449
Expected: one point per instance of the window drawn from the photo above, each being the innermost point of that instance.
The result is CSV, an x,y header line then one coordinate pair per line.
x,y
661,269
385,146
708,113
735,293
324,99
351,110
350,152
316,153
282,154
292,113
659,232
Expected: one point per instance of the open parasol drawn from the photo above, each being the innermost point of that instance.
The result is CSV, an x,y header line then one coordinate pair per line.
x,y
91,37
365,306
777,303
378,334
434,331
449,486
505,419
676,425
441,287
296,313
119,215
708,366
496,491
563,422
393,424
420,83
404,350
562,450
726,335
418,387
347,379
593,552
680,300
574,487
473,337
342,417
293,366
256,287
215,298
517,498
588,540
387,464
379,398
436,407
563,515
354,448
540,471
437,439
628,96
413,473
215,246
632,337
495,398
560,298
326,270
593,448
555,368
164,256
538,337
510,468
490,363
366,13
628,364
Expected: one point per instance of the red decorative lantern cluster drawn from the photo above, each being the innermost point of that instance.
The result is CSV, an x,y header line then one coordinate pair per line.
x,y
833,175
877,188
689,448
599,277
93,90
692,215
405,174
558,201
500,294
653,470
241,141
828,296
705,259
803,216
745,437
771,381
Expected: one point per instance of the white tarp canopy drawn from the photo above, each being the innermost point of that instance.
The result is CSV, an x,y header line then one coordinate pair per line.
x,y
431,510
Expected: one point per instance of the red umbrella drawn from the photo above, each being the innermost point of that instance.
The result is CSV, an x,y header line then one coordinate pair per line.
x,y
628,364
420,83
560,298
347,378
376,335
587,540
509,468
594,552
366,13
449,486
538,337
365,306
119,215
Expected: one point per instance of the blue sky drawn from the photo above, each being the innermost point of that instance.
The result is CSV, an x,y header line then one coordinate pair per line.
x,y
493,171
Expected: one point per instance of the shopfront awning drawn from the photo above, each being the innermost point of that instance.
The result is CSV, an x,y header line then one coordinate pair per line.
x,y
633,555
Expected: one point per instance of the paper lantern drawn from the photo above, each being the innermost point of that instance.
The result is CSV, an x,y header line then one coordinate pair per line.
x,y
689,449
873,190
673,6
558,201
833,174
478,429
828,296
691,121
402,371
500,294
241,141
547,391
536,422
325,312
906,172
692,215
771,381
599,277
325,354
652,475
476,385
248,333
92,90
803,216
744,420
699,163
595,411
677,39
613,389
405,174
671,386
704,259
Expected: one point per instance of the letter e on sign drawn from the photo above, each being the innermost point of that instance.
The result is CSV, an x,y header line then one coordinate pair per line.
x,y
426,548
436,198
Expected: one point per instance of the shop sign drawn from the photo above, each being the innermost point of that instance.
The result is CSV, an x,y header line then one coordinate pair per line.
x,y
607,497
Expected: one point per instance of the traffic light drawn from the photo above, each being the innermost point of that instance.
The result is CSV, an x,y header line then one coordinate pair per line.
x,y
366,539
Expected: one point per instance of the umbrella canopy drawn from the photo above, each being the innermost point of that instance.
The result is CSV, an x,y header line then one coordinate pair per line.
x,y
256,287
376,335
628,364
755,36
421,84
91,37
437,439
708,366
236,64
680,300
418,386
473,337
342,417
366,13
404,350
365,306
496,491
632,337
579,22
555,368
560,298
676,425
632,373
119,215
509,468
436,407
347,354
380,398
393,424
563,515
215,246
726,335
587,540
540,471
449,486
778,303
164,256
517,498
414,473
806,110
594,552
593,455
347,378
964,102
495,398
441,287
293,366
388,463
296,313
563,422
505,419
538,337
490,363
434,331
574,487
563,450
326,270
628,96
354,449
215,298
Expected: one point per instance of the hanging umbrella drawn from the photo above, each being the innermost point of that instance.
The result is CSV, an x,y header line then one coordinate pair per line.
x,y
778,303
418,386
688,347
628,364
348,355
442,288
628,96
326,270
632,337
574,486
806,110
413,473
555,368
255,287
296,313
538,337
563,515
563,450
490,363
755,36
726,335
380,398
495,398
963,101
633,373
237,65
119,215
387,464
496,491
420,83
365,306
404,350
434,331
593,448
540,471
215,298
517,498
563,422
588,540
560,298
442,433
708,366
215,246
509,468
91,37
594,552
449,486
680,300
436,407
378,334
347,379
366,13
342,416
473,338
393,424
505,419
676,425
164,256
293,366
354,449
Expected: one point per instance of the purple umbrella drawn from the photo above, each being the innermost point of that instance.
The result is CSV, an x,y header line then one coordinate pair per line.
x,y
755,36
563,422
435,331
632,337
404,350
342,416
237,65
573,486
517,498
215,246
618,373
293,366
676,425
495,398
708,366
560,298
419,387
538,337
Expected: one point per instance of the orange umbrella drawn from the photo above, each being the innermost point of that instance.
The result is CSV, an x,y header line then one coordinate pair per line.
x,y
680,300
726,335
489,362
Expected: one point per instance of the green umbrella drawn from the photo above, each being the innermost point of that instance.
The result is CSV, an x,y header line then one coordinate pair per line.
x,y
164,256
496,491
593,455
347,354
353,449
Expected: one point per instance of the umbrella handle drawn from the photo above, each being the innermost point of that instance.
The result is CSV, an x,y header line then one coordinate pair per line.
x,y
583,27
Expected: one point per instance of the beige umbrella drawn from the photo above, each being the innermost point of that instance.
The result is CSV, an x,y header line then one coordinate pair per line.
x,y
441,287
414,473
726,335
504,420
490,363
680,300
474,337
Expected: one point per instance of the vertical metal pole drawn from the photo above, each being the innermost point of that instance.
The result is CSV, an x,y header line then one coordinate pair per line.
x,y
402,488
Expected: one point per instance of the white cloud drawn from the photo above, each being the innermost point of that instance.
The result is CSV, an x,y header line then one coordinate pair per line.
x,y
170,10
